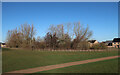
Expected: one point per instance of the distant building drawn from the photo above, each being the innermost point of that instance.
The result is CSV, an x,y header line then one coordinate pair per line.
x,y
92,42
108,43
113,43
2,44
116,42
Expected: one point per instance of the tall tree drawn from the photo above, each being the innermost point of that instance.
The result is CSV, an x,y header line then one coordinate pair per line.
x,y
81,34
22,37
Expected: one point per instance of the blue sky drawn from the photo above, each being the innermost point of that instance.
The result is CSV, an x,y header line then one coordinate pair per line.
x,y
102,17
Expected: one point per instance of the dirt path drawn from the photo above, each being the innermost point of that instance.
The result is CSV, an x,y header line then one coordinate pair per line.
x,y
50,67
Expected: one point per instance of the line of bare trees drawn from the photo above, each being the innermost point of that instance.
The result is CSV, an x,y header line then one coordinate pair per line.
x,y
74,37
21,37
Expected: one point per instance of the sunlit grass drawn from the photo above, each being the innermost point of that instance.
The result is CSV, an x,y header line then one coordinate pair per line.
x,y
24,59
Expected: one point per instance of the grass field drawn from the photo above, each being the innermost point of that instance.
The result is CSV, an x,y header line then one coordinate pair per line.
x,y
106,66
23,59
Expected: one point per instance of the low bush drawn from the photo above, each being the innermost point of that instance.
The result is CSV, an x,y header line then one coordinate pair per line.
x,y
99,46
83,45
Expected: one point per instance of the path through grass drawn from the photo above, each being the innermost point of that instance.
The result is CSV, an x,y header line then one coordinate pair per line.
x,y
24,59
106,66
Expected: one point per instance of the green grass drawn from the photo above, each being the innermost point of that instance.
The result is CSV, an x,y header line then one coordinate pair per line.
x,y
23,59
106,66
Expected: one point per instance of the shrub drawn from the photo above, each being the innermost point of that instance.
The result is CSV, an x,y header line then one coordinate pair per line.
x,y
83,45
99,46
103,46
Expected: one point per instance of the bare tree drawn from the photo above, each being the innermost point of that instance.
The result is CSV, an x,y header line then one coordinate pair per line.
x,y
22,37
51,41
81,34
63,40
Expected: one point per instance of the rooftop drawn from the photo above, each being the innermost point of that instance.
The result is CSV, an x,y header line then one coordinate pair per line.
x,y
116,40
91,41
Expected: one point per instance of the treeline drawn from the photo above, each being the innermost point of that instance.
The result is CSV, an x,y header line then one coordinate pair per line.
x,y
55,38
21,37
